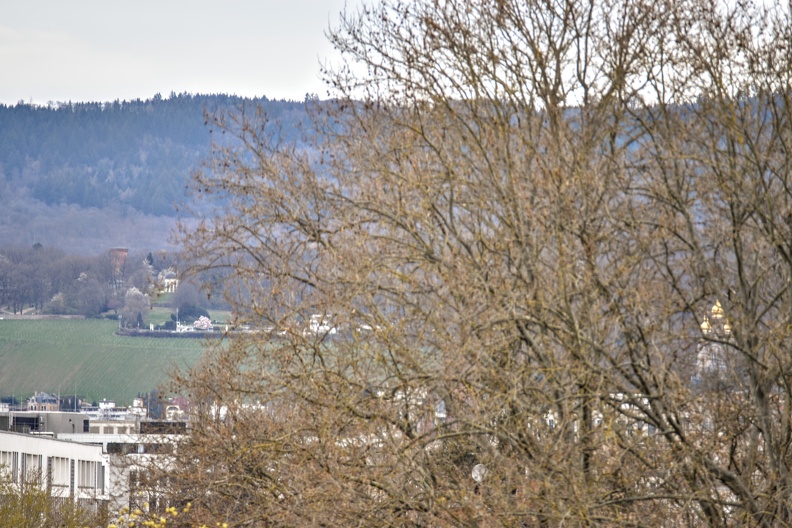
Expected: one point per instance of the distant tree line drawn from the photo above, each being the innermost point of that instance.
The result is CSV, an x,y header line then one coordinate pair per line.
x,y
48,280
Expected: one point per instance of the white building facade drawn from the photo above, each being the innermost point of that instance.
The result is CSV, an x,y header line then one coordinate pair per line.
x,y
66,469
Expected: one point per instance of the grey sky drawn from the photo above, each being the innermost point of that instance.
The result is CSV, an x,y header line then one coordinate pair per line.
x,y
101,50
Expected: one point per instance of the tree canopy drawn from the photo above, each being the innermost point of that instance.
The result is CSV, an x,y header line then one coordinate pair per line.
x,y
547,240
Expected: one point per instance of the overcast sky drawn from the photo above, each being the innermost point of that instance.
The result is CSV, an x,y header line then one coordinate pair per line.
x,y
102,50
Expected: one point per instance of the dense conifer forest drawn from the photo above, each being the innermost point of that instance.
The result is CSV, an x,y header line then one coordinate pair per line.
x,y
89,175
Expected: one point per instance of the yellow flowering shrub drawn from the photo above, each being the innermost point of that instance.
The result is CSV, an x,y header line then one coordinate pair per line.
x,y
171,517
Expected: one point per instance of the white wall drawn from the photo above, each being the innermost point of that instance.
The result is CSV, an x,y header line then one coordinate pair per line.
x,y
70,469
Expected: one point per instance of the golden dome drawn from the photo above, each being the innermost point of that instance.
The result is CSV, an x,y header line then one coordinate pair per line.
x,y
717,310
705,326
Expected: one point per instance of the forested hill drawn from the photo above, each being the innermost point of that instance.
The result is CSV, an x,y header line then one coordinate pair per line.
x,y
135,153
89,174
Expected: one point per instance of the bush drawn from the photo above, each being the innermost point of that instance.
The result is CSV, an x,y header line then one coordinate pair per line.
x,y
30,506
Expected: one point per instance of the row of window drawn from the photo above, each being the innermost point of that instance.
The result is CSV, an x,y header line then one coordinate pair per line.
x,y
60,473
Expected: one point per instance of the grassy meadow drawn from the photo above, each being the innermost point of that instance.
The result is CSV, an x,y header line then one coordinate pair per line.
x,y
84,356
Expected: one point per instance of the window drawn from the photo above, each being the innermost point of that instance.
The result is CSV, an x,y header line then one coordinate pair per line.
x,y
9,461
60,472
100,481
87,474
31,467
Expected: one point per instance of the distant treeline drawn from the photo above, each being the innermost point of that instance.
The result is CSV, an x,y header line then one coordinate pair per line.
x,y
43,280
134,155
48,280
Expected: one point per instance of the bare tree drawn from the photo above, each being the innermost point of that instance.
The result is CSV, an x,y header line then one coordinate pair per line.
x,y
546,240
136,307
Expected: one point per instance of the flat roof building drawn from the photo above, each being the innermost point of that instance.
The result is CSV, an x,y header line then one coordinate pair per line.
x,y
66,469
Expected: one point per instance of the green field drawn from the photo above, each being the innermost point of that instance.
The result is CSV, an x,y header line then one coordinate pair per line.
x,y
87,358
